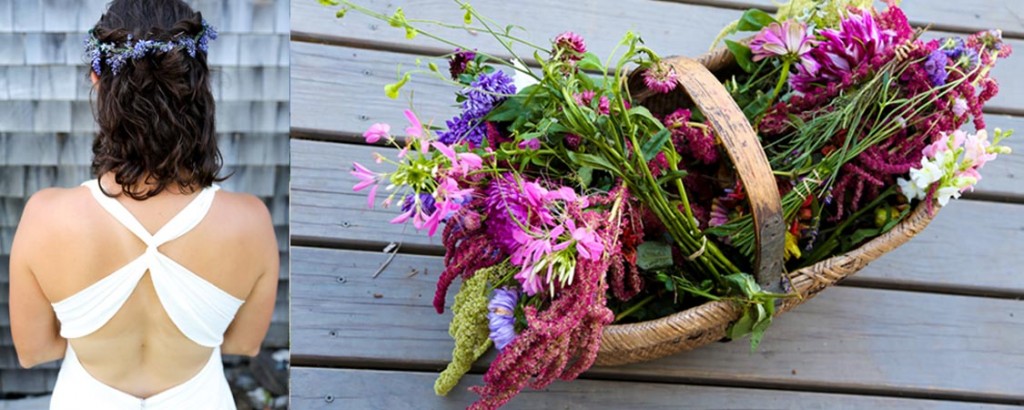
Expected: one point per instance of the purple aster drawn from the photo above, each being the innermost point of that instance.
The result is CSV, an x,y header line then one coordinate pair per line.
x,y
459,61
935,66
501,316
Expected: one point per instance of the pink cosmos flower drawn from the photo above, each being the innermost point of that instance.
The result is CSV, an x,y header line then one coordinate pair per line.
x,y
661,78
789,40
376,132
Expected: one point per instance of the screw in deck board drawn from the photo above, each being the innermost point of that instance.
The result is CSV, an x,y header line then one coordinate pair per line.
x,y
329,398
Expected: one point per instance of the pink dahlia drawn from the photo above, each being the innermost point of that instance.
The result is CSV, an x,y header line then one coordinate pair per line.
x,y
857,43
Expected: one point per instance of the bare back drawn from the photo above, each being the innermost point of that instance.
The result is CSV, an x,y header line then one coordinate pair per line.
x,y
140,350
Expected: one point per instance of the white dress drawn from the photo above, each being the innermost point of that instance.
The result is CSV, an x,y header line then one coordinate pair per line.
x,y
199,309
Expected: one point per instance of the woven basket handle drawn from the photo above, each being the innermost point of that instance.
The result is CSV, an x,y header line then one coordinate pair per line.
x,y
740,141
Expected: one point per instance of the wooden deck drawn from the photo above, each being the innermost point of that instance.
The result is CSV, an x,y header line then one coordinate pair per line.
x,y
937,323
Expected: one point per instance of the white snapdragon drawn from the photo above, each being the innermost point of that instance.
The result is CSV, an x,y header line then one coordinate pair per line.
x,y
952,163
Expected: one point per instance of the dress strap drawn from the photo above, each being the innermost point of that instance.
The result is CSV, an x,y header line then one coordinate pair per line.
x,y
180,224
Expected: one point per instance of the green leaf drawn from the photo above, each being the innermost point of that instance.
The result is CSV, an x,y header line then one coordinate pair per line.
x,y
508,110
590,61
586,175
742,327
391,90
744,58
671,176
652,255
593,161
653,145
754,20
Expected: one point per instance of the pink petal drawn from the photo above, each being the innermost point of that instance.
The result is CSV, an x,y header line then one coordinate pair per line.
x,y
415,128
446,150
371,196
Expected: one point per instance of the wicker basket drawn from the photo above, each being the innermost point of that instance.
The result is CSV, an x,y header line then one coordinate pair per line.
x,y
698,326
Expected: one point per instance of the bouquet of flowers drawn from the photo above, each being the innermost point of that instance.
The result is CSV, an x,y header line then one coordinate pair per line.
x,y
565,205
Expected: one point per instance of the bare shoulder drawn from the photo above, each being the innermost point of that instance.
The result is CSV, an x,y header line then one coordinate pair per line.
x,y
50,217
246,215
63,207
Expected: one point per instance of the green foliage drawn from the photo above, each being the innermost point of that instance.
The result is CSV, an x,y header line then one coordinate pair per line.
x,y
759,307
744,58
754,20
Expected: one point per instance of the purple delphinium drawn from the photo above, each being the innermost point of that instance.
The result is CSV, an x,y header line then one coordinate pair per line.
x,y
459,61
501,316
481,96
935,66
427,203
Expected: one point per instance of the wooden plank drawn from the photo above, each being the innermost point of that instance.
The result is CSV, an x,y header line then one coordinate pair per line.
x,y
600,23
947,15
337,90
888,341
325,210
314,388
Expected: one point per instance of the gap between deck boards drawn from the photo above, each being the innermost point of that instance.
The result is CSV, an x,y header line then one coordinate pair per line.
x,y
319,362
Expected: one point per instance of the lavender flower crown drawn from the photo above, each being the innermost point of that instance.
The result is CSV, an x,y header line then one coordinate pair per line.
x,y
137,49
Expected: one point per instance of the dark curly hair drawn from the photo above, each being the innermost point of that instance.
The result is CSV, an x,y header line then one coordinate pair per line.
x,y
156,115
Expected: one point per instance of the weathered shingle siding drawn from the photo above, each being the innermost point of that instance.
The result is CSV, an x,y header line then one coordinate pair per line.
x,y
46,123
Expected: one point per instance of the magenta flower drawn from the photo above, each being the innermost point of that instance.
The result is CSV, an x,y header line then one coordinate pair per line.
x,y
501,316
587,97
788,40
530,255
571,45
367,178
855,44
661,78
461,163
588,244
532,144
376,132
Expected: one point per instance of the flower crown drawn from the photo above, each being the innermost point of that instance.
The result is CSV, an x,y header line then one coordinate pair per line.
x,y
117,56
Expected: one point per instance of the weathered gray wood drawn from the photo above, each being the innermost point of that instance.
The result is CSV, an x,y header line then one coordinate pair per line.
x,y
340,90
376,389
885,340
669,28
948,15
324,209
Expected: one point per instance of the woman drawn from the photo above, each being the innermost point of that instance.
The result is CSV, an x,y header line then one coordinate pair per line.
x,y
142,278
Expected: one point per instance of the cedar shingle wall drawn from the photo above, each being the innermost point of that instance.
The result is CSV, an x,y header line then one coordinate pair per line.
x,y
46,123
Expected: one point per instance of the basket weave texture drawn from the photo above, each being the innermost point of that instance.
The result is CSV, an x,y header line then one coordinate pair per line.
x,y
707,323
